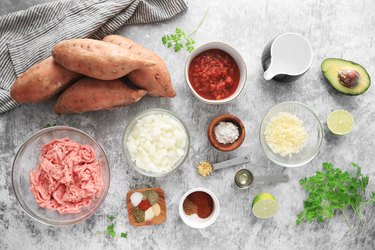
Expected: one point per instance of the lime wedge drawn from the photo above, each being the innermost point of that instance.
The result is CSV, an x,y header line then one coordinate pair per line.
x,y
340,122
265,205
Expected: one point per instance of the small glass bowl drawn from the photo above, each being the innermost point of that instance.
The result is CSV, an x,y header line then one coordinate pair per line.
x,y
314,129
129,129
27,159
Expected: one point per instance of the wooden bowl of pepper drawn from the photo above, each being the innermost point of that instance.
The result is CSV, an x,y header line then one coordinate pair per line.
x,y
223,135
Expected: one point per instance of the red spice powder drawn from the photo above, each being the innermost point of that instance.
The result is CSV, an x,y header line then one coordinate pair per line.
x,y
144,205
203,201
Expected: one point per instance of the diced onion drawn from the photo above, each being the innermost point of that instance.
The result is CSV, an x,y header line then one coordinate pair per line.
x,y
157,143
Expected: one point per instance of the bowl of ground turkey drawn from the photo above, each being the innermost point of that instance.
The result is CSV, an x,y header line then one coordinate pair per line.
x,y
60,176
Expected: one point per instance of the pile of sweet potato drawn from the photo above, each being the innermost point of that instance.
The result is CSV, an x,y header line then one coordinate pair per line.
x,y
90,74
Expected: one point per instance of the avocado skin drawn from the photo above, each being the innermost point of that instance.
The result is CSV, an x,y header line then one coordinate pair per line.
x,y
330,68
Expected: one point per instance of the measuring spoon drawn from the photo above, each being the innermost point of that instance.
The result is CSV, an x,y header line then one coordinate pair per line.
x,y
244,178
225,164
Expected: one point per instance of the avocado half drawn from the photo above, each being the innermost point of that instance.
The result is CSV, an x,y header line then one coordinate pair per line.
x,y
347,77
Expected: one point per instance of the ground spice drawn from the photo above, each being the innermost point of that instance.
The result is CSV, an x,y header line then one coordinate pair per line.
x,y
139,215
144,205
204,203
226,132
190,207
152,196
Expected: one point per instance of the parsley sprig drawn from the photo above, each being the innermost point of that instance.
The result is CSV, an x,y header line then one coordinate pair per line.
x,y
50,125
180,39
333,190
111,228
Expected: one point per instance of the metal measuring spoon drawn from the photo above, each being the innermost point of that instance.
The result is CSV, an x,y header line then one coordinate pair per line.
x,y
205,168
244,178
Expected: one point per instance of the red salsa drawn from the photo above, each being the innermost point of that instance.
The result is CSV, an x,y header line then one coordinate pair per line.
x,y
214,74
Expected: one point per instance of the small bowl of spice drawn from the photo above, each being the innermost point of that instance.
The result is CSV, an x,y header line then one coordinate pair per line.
x,y
199,208
226,132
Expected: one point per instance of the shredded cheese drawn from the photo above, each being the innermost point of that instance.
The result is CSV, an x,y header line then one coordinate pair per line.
x,y
285,134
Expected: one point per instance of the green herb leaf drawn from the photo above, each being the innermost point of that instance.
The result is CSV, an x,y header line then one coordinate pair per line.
x,y
111,230
124,235
50,125
111,218
333,191
180,39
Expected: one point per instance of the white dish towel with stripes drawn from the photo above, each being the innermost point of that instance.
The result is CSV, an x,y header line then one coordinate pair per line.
x,y
27,37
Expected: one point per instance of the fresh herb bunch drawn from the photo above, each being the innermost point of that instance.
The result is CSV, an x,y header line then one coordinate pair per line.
x,y
180,39
333,190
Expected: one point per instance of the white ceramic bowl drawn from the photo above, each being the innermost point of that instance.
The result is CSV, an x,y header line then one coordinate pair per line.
x,y
193,220
236,56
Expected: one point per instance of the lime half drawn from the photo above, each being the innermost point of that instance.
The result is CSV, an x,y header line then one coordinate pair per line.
x,y
340,122
265,205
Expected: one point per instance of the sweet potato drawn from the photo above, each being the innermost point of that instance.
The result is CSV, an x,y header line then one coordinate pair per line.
x,y
90,94
41,81
156,79
97,59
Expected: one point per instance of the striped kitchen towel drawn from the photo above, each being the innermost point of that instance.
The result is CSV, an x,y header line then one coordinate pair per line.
x,y
27,37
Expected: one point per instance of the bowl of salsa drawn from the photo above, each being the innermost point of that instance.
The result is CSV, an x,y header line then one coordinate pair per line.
x,y
215,73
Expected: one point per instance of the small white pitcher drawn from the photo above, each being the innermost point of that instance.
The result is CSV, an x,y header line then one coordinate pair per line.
x,y
286,58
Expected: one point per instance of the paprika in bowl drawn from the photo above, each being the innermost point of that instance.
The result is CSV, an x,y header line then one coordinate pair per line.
x,y
215,73
199,208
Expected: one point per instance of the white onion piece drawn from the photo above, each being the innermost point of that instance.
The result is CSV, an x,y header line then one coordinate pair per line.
x,y
157,143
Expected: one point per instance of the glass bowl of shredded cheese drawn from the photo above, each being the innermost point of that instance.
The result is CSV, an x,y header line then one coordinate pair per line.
x,y
291,134
155,142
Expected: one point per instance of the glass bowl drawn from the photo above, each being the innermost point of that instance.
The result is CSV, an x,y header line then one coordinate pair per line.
x,y
129,129
27,159
311,123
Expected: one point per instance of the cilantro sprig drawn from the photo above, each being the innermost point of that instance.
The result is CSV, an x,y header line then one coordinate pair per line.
x,y
333,190
124,235
177,40
50,125
180,39
111,228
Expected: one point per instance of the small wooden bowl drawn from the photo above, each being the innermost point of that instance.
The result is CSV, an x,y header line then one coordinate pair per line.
x,y
154,221
226,118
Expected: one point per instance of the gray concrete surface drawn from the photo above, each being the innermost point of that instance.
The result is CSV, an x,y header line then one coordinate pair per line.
x,y
335,29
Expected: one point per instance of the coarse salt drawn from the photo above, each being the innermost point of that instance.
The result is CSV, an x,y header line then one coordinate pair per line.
x,y
226,132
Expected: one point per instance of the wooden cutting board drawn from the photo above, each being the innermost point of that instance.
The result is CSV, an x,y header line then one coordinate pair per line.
x,y
156,219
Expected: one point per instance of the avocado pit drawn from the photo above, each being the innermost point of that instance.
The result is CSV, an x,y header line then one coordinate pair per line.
x,y
349,78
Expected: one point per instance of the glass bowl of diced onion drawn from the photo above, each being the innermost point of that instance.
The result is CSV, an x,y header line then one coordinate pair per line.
x,y
155,142
282,132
